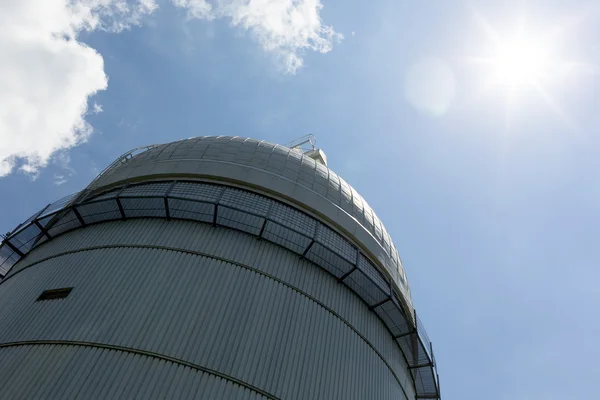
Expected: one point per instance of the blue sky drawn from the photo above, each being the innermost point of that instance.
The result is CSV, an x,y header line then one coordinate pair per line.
x,y
492,198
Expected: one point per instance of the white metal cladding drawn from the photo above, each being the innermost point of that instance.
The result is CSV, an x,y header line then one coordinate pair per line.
x,y
269,166
267,219
332,227
286,327
67,371
273,260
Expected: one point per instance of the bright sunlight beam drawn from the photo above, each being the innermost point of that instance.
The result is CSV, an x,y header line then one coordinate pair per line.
x,y
525,62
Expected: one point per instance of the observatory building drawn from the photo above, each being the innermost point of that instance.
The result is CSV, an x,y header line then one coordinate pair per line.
x,y
210,268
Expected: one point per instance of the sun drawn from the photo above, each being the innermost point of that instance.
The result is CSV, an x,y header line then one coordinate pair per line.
x,y
521,61
525,62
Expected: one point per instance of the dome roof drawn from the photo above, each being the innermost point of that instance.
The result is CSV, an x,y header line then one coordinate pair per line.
x,y
218,156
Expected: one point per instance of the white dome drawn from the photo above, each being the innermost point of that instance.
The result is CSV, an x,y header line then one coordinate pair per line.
x,y
239,159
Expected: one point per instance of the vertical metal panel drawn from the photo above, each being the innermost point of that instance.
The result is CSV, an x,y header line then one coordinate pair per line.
x,y
206,311
69,372
192,236
272,259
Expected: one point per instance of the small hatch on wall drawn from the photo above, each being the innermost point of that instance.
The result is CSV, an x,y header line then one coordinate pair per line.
x,y
55,294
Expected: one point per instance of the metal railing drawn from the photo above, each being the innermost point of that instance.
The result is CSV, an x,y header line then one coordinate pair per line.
x,y
123,158
255,214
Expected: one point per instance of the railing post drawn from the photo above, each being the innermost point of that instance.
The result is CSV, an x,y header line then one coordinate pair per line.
x,y
41,228
77,214
166,199
431,354
13,248
415,341
343,277
118,199
312,242
262,228
215,214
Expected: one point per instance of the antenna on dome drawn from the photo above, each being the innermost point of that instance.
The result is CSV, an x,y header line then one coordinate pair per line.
x,y
307,146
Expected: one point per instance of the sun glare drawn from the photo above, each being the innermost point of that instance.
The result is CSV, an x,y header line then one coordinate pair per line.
x,y
524,62
518,58
521,61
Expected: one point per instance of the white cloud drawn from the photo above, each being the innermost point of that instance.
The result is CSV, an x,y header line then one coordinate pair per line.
x,y
47,75
195,8
97,108
108,15
63,161
284,28
59,180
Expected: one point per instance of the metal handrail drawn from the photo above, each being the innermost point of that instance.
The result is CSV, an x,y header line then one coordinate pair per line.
x,y
123,158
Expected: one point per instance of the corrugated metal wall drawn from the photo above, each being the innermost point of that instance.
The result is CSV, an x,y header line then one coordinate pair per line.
x,y
254,312
69,372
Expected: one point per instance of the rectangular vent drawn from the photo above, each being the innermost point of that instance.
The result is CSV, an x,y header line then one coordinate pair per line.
x,y
55,294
